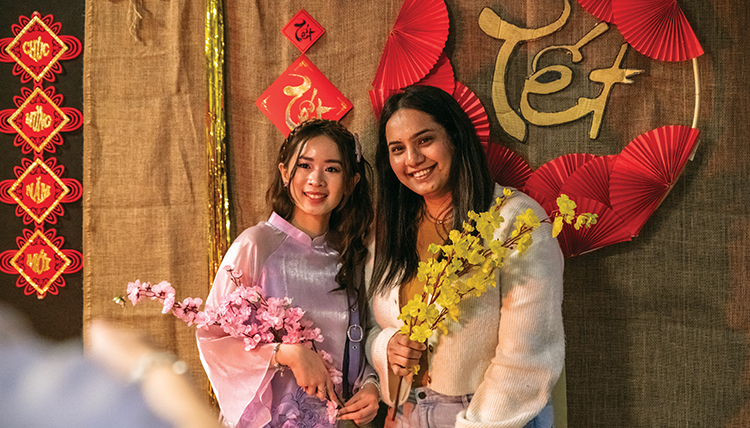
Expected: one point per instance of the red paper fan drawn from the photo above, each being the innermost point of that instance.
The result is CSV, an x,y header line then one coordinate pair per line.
x,y
601,9
646,171
545,183
507,168
609,229
414,45
591,180
378,96
474,108
441,75
656,28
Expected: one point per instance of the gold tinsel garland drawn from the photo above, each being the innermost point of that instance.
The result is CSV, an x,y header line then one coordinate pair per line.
x,y
218,201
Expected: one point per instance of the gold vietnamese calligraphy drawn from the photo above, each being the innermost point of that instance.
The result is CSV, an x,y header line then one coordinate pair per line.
x,y
549,79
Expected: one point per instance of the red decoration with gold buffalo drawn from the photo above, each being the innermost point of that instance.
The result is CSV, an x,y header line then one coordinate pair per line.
x,y
302,92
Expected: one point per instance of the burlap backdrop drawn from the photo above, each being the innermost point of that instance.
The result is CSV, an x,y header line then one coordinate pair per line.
x,y
145,162
656,328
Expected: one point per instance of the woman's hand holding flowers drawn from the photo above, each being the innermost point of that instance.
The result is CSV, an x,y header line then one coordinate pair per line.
x,y
404,354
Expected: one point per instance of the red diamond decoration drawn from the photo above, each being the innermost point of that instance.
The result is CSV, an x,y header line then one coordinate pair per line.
x,y
40,262
302,30
38,120
36,48
302,92
38,191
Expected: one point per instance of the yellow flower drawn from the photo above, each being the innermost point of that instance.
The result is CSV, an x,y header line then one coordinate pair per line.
x,y
413,307
580,221
442,326
476,257
506,192
420,333
448,297
557,226
453,312
566,206
529,218
524,242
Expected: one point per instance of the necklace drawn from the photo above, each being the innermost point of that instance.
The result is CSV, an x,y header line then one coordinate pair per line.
x,y
447,218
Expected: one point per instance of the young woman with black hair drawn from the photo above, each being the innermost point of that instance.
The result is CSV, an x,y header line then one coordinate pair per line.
x,y
497,365
312,250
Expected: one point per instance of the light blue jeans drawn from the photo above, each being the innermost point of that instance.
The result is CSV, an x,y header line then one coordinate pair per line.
x,y
426,408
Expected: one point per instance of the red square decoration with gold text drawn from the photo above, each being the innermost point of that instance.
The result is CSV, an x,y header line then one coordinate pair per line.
x,y
302,30
302,92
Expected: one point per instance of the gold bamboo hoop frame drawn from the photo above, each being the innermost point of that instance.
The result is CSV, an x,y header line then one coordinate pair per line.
x,y
696,76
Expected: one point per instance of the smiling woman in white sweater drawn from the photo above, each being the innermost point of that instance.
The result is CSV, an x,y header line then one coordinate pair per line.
x,y
497,365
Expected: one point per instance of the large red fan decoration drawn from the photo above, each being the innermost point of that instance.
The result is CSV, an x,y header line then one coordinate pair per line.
x,y
545,183
609,229
657,29
646,170
414,45
507,168
601,9
591,180
474,108
441,75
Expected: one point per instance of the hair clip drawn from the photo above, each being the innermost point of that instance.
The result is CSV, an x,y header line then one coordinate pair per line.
x,y
357,147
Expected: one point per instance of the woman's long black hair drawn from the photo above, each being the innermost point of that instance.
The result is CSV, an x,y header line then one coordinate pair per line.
x,y
399,209
349,225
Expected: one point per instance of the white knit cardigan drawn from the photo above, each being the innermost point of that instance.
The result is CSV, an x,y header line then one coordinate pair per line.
x,y
508,346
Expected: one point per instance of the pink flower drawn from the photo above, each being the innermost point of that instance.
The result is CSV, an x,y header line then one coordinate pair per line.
x,y
292,337
244,314
135,291
336,376
332,411
162,290
168,303
188,309
203,319
251,342
326,356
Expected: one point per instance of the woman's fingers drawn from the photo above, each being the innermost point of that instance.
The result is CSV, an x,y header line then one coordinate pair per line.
x,y
403,354
361,408
322,392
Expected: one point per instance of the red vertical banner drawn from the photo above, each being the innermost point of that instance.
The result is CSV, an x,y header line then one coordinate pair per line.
x,y
39,189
